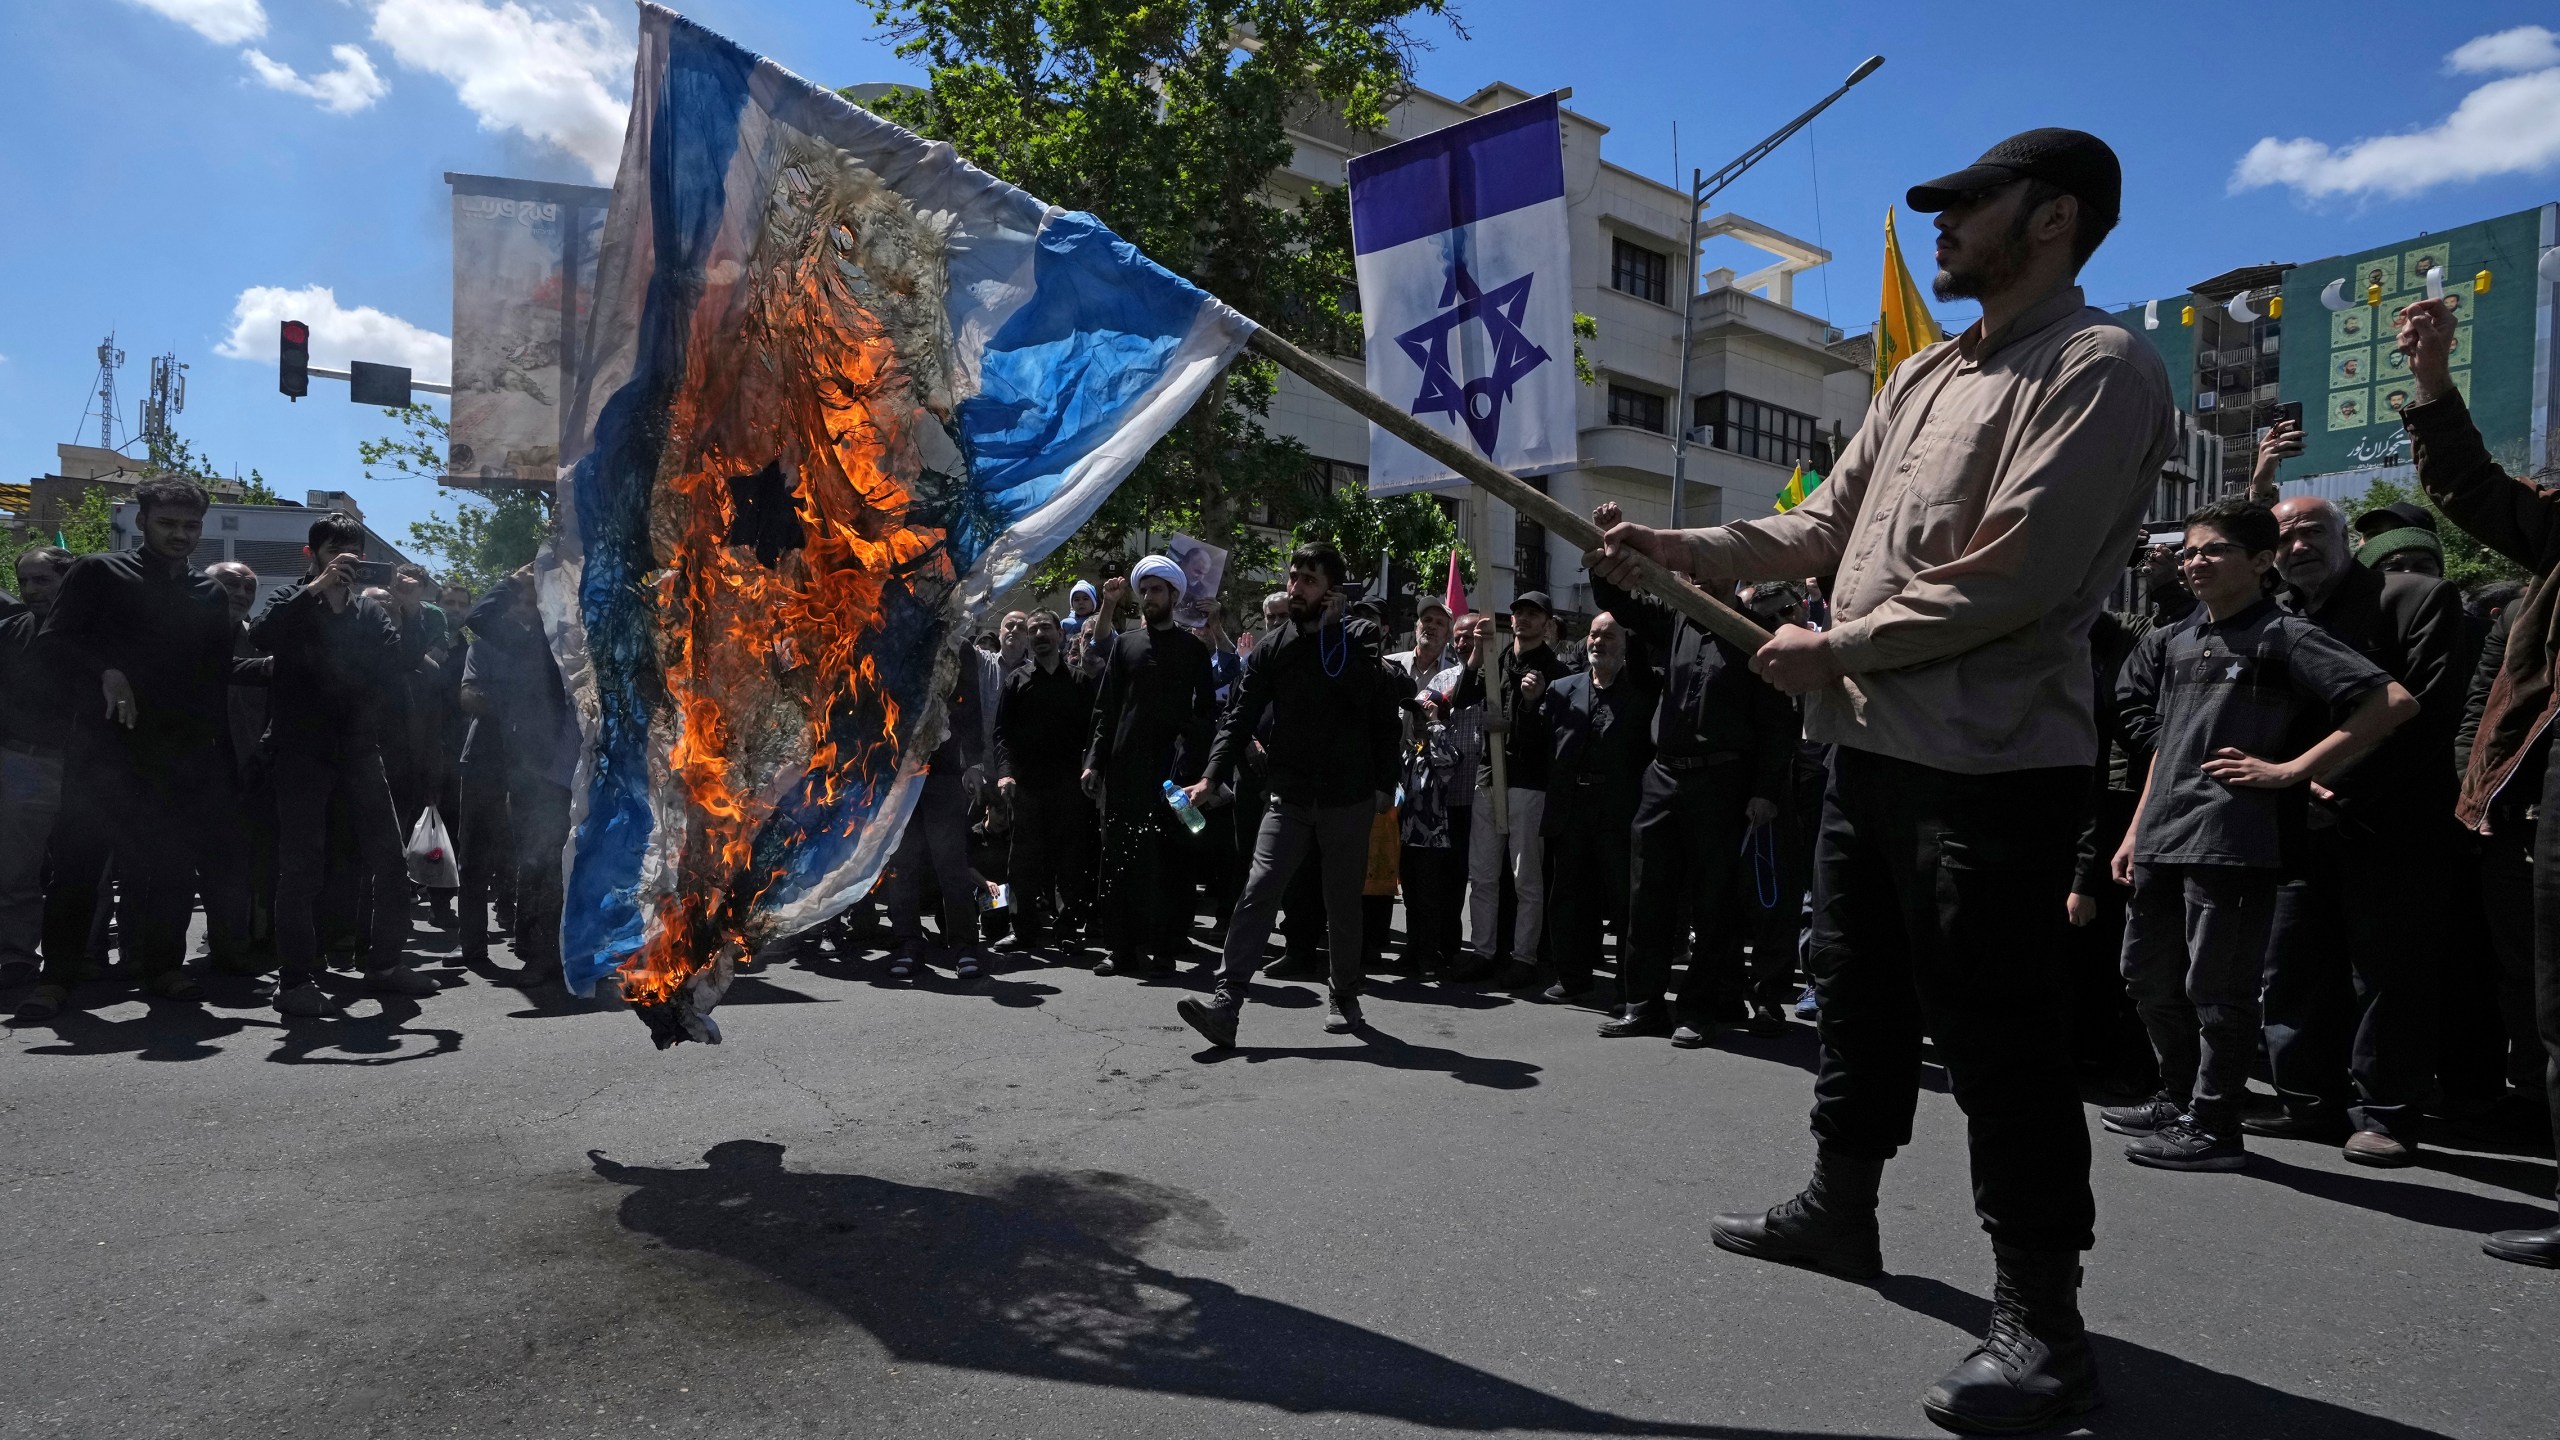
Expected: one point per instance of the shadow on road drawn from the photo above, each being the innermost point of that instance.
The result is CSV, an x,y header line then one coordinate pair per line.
x,y
2150,1393
2426,1204
1389,1053
1044,1278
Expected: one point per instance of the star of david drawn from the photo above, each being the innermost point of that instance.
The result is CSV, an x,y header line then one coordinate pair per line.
x,y
1478,402
765,516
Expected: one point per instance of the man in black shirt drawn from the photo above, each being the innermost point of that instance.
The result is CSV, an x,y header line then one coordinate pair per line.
x,y
1333,769
2350,1003
146,646
1155,709
1723,739
519,761
1599,719
1044,713
339,667
35,721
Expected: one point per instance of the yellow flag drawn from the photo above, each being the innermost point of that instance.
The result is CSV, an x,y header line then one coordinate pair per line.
x,y
1906,324
1800,485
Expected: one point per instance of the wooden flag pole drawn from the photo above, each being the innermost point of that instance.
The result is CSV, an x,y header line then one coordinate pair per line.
x,y
1713,615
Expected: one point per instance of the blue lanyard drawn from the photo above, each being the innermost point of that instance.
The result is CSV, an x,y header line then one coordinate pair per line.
x,y
1333,657
1760,842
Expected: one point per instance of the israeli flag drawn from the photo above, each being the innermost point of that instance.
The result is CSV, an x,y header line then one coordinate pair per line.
x,y
1466,293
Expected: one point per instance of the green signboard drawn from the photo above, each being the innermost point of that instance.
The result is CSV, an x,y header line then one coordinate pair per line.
x,y
2157,322
2341,367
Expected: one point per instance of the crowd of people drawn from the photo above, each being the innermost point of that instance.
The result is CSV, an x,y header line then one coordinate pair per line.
x,y
2310,846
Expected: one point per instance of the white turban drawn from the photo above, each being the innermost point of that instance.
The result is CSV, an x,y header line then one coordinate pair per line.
x,y
1157,567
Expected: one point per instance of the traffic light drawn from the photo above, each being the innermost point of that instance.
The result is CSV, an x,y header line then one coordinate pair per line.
x,y
293,360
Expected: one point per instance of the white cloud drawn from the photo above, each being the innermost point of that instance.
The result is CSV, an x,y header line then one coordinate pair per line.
x,y
353,86
224,22
2508,126
542,74
338,334
2526,47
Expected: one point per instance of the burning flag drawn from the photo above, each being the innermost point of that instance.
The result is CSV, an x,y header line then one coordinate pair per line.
x,y
844,388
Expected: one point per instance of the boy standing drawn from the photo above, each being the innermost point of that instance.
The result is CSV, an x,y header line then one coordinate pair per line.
x,y
2239,680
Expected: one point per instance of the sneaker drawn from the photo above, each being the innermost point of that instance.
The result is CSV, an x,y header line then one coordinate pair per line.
x,y
966,967
906,959
1341,1013
2372,1147
1214,1018
2179,1143
1808,1006
2142,1119
303,1000
400,980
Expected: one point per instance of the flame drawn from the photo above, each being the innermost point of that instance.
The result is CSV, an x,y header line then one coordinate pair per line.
x,y
775,696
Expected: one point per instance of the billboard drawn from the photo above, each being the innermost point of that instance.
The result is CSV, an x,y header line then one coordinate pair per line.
x,y
524,262
2341,366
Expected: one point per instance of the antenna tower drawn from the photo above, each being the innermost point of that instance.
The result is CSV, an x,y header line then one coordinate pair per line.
x,y
110,359
168,397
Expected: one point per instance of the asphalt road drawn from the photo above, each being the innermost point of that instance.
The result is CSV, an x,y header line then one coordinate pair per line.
x,y
1039,1209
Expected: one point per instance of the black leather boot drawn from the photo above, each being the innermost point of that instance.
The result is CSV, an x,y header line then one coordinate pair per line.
x,y
1215,1018
1830,1225
2034,1367
2526,1247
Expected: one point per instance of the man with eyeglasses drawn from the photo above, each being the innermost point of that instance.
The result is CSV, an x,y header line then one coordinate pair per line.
x,y
1976,523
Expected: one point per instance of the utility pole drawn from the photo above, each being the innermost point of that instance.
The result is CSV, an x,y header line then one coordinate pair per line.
x,y
1703,188
110,360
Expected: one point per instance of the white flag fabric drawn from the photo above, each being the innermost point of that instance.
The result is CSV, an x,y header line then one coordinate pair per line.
x,y
1466,293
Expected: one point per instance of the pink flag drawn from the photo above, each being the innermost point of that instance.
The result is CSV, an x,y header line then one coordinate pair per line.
x,y
1457,596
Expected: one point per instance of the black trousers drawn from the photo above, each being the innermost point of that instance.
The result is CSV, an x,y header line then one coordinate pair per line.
x,y
2195,945
2507,876
1591,857
306,787
1777,928
1435,897
1686,846
169,822
1338,838
1144,907
2546,941
2350,986
1938,905
484,842
538,823
1052,861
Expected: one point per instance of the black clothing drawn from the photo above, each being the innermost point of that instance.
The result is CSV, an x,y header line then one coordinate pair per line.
x,y
1051,865
1600,749
1711,702
1043,720
2546,942
2195,945
35,691
338,672
1686,846
307,785
1526,756
167,629
510,666
1157,697
2350,992
2410,626
166,826
1939,904
2116,780
1333,706
2264,682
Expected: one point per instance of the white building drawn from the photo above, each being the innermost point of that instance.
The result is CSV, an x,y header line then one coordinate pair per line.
x,y
1766,385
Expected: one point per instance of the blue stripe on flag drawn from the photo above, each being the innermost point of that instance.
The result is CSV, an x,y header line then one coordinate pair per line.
x,y
1487,166
1065,372
705,93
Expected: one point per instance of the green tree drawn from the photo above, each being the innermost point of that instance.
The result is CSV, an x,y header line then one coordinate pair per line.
x,y
483,538
170,453
1169,120
1413,530
2467,562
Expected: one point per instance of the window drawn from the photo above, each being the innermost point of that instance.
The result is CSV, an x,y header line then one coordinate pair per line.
x,y
1645,274
1322,479
1641,408
1761,431
1529,548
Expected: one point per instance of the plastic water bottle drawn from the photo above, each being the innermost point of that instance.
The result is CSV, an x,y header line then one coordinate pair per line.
x,y
1182,806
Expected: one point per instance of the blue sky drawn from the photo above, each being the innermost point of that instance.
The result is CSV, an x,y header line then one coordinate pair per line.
x,y
176,165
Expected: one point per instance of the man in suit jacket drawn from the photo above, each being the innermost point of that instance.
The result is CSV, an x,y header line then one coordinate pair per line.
x,y
1598,721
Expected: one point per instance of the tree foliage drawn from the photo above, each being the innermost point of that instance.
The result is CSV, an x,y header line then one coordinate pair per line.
x,y
1169,121
170,453
483,538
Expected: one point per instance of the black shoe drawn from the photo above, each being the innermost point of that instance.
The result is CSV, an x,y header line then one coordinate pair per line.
x,y
1644,1017
2290,1126
1298,967
2526,1247
2034,1367
1118,965
1514,975
1341,1014
2144,1118
1692,1034
1829,1226
2181,1144
1766,1022
1214,1018
1565,992
1469,968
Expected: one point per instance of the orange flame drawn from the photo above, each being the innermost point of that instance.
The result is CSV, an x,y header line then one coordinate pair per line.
x,y
757,660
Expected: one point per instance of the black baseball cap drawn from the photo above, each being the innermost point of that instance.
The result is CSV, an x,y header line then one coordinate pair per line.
x,y
2399,515
2074,161
1533,600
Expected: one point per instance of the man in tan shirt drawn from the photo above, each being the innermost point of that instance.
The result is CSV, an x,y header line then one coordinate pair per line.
x,y
1975,526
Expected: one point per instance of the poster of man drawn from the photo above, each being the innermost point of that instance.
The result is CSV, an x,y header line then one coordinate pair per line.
x,y
1204,567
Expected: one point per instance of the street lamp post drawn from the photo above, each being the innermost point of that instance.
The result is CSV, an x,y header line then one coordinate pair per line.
x,y
1703,188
